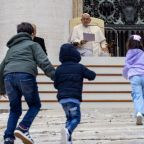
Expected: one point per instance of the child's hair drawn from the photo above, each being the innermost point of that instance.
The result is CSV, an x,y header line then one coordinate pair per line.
x,y
135,41
25,27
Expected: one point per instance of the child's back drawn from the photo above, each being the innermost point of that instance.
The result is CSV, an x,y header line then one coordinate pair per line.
x,y
134,71
69,82
70,74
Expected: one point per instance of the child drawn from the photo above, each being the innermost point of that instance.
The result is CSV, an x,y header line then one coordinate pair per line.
x,y
134,71
69,82
18,77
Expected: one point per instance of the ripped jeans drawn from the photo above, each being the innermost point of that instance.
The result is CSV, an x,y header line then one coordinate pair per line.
x,y
73,115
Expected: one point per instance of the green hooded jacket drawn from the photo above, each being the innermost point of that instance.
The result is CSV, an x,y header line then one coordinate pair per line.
x,y
24,55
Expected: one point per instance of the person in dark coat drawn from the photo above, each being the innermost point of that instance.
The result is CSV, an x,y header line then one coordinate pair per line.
x,y
69,83
39,40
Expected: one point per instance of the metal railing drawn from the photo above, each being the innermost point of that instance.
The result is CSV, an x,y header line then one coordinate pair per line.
x,y
119,34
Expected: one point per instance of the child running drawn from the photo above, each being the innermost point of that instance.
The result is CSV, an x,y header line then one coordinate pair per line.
x,y
69,83
134,71
18,73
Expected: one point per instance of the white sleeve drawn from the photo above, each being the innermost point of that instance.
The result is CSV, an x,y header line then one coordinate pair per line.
x,y
74,36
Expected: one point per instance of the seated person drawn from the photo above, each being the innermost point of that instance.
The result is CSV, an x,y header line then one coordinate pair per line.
x,y
39,40
96,47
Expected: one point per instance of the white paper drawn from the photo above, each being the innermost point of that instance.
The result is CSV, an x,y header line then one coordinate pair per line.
x,y
89,36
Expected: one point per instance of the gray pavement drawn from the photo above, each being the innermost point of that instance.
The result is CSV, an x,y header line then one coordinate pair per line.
x,y
102,123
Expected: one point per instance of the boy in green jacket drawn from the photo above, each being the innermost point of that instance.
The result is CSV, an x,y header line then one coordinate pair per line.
x,y
18,73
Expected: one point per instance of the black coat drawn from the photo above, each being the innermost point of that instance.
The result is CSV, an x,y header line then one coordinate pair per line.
x,y
41,42
70,74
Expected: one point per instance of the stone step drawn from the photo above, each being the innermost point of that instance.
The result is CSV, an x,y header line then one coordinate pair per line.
x,y
46,96
109,85
91,86
100,77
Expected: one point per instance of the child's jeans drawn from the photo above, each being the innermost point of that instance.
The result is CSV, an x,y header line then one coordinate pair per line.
x,y
73,115
137,84
16,85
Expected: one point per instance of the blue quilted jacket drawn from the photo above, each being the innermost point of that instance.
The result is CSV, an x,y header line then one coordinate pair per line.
x,y
70,74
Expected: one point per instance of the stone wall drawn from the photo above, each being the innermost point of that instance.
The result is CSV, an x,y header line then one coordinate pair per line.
x,y
51,17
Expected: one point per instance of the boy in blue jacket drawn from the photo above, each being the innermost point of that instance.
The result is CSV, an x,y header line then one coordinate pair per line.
x,y
69,83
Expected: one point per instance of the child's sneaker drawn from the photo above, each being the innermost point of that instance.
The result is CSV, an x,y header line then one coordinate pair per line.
x,y
139,119
23,135
69,142
66,137
9,141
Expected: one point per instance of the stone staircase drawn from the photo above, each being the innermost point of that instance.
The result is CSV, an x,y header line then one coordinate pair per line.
x,y
109,85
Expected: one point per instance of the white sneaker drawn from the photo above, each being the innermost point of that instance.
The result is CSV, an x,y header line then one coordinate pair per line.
x,y
69,142
24,136
139,119
65,136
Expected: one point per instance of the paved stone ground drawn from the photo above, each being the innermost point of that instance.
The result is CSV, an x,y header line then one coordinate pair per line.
x,y
102,123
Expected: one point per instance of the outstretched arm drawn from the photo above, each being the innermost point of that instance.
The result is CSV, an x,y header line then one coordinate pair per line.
x,y
89,74
43,62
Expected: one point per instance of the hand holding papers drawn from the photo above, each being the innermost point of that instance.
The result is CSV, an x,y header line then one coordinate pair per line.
x,y
88,37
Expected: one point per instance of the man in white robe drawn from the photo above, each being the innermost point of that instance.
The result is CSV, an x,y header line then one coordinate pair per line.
x,y
98,47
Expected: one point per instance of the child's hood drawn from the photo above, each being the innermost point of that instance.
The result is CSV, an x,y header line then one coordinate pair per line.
x,y
135,56
69,53
18,38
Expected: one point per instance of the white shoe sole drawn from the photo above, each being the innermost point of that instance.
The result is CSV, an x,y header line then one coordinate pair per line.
x,y
21,136
139,120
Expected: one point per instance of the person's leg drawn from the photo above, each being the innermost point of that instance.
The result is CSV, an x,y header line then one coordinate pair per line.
x,y
29,89
66,136
85,52
143,94
28,86
75,116
66,110
14,96
137,95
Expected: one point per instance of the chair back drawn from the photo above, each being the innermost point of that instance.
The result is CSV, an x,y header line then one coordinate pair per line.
x,y
94,21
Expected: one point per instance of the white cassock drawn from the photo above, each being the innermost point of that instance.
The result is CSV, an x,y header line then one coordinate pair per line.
x,y
91,48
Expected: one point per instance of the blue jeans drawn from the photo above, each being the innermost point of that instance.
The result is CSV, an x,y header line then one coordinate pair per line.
x,y
73,115
137,84
18,85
